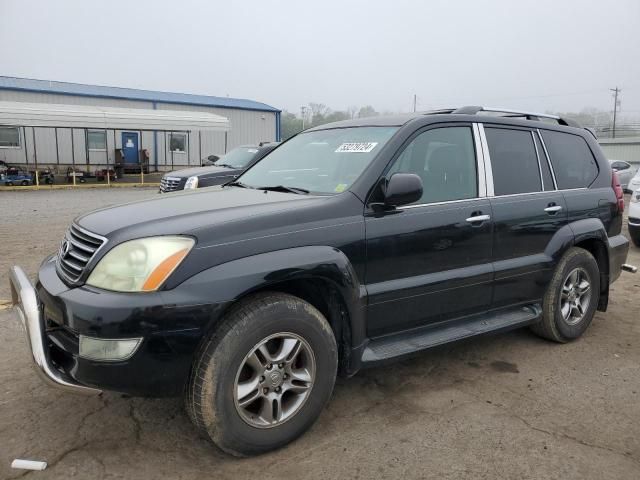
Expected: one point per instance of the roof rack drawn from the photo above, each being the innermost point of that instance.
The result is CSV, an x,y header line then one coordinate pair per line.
x,y
474,110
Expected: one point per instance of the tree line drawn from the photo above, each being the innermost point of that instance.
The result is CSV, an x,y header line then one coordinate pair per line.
x,y
316,114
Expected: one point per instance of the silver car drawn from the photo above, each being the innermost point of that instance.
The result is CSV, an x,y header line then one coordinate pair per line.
x,y
625,172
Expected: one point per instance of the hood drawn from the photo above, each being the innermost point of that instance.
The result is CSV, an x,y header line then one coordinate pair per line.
x,y
208,171
184,213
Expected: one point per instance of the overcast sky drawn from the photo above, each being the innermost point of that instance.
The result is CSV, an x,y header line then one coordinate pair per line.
x,y
537,55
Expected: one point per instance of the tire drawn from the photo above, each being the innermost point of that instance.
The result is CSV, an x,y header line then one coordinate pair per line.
x,y
24,183
225,360
554,324
9,184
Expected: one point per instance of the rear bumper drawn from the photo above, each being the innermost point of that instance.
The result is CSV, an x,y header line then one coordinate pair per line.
x,y
618,250
28,310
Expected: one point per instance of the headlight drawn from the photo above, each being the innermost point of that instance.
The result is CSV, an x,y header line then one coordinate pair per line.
x,y
140,265
192,182
635,196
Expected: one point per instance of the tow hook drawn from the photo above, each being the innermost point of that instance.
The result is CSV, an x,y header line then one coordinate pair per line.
x,y
629,268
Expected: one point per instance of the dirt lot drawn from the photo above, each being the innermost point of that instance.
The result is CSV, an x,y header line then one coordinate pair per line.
x,y
506,406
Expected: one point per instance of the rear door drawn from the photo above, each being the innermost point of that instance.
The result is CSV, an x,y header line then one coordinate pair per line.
x,y
527,211
431,261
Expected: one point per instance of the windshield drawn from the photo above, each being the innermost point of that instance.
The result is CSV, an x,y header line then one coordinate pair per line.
x,y
323,161
238,157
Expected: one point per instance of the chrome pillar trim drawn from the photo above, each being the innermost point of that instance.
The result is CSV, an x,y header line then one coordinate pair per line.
x,y
533,139
482,176
546,154
487,161
26,306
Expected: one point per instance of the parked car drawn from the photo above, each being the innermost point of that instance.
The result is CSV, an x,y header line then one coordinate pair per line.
x,y
210,160
634,217
634,183
350,245
224,170
15,178
625,172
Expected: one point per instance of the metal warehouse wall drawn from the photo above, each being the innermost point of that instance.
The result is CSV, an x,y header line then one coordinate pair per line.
x,y
626,149
247,127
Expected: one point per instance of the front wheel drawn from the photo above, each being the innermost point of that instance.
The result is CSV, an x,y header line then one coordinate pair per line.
x,y
571,298
264,376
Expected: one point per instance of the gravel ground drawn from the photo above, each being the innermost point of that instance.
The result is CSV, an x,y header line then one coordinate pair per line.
x,y
504,406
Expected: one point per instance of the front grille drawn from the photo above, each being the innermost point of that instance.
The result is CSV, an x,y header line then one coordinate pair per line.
x,y
169,184
76,251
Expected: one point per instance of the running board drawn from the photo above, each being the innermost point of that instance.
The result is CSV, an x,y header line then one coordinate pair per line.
x,y
396,345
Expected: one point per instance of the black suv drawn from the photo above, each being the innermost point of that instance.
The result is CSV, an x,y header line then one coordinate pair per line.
x,y
223,170
351,244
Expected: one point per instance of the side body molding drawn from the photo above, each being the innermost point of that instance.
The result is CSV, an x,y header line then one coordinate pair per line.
x,y
230,281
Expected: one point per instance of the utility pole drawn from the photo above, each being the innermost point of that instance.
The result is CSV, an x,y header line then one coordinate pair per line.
x,y
415,101
615,91
303,112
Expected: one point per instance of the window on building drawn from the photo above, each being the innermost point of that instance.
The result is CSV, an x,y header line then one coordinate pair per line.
x,y
9,137
445,160
572,160
178,142
97,139
513,161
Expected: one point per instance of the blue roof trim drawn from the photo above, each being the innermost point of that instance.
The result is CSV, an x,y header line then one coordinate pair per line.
x,y
97,91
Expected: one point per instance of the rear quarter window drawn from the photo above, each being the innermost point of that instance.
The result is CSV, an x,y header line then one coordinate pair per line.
x,y
573,163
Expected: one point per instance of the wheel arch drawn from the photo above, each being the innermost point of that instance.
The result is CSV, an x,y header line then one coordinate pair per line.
x,y
591,235
320,275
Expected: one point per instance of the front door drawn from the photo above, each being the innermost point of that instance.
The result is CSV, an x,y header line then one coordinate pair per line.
x,y
431,261
130,147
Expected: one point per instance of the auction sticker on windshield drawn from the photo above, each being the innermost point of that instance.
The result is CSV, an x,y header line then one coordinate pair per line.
x,y
356,147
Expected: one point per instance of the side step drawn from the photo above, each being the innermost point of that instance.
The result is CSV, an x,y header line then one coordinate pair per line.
x,y
404,343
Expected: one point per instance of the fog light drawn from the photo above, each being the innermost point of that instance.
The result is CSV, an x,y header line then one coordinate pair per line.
x,y
108,350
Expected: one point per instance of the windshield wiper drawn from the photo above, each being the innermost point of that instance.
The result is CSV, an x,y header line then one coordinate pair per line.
x,y
236,184
283,188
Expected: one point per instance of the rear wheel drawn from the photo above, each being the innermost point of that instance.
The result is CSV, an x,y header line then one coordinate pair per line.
x,y
24,183
264,376
571,298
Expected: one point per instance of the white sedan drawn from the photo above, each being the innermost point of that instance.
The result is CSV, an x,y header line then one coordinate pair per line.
x,y
634,183
625,172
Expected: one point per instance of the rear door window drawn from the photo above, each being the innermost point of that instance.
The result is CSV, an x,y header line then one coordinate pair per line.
x,y
513,160
573,163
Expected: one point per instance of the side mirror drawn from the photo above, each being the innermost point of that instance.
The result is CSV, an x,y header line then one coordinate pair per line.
x,y
403,189
213,158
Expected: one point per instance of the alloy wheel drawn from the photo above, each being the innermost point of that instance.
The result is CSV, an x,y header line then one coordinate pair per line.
x,y
274,380
575,296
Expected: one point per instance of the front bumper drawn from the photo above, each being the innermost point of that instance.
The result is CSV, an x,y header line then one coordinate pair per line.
x,y
28,310
171,324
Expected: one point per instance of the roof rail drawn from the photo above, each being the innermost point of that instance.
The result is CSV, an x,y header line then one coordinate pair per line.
x,y
474,110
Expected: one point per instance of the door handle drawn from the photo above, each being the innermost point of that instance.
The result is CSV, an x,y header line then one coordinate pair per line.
x,y
479,218
553,209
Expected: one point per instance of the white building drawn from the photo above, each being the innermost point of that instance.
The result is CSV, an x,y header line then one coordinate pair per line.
x,y
90,148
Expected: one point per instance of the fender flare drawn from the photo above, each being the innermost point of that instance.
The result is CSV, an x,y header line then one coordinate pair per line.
x,y
227,282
